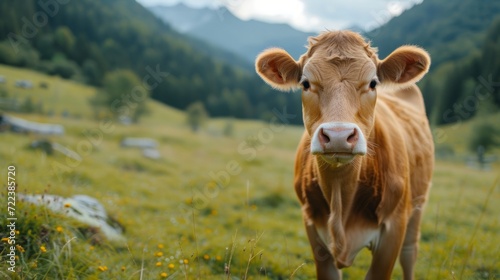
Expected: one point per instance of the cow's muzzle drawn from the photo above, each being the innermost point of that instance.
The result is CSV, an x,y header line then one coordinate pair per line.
x,y
338,142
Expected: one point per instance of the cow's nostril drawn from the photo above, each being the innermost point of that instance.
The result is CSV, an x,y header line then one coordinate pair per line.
x,y
353,137
324,138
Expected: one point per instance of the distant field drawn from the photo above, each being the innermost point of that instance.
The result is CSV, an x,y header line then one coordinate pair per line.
x,y
255,214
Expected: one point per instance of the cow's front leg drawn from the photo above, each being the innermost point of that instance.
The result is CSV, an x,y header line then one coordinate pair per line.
x,y
325,267
408,255
386,249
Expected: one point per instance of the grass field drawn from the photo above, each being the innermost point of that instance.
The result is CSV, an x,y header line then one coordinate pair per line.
x,y
181,225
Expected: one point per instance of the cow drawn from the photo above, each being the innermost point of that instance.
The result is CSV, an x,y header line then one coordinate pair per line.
x,y
364,165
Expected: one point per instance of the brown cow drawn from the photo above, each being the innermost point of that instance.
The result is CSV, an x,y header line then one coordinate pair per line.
x,y
364,165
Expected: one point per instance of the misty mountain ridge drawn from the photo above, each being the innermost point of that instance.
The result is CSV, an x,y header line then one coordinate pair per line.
x,y
185,19
219,27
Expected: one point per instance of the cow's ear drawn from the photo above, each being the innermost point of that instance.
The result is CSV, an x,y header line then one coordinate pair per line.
x,y
404,66
277,68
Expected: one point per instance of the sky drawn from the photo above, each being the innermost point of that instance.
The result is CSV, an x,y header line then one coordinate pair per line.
x,y
307,15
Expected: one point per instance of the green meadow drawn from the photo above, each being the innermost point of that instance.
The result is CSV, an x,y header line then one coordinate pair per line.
x,y
217,205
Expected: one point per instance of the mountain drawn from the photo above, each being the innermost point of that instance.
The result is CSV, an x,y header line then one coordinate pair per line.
x,y
86,40
183,18
221,28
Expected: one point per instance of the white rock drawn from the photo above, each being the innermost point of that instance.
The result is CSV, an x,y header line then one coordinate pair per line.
x,y
83,208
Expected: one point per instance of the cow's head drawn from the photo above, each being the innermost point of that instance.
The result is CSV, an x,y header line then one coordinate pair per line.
x,y
339,76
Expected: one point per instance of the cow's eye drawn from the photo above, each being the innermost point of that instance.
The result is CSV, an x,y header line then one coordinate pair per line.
x,y
373,84
306,85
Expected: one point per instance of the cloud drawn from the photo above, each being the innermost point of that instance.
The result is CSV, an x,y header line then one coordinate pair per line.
x,y
191,3
308,15
367,14
290,11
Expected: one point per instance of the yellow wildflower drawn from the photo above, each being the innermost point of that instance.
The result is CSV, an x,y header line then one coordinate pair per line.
x,y
160,246
67,205
123,268
158,254
5,239
218,258
102,268
171,265
43,249
163,275
20,248
158,264
186,261
59,229
206,257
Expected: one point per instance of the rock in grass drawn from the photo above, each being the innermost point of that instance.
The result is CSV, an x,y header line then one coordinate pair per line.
x,y
83,208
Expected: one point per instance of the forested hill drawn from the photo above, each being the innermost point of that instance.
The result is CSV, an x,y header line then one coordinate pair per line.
x,y
449,30
86,39
470,86
462,39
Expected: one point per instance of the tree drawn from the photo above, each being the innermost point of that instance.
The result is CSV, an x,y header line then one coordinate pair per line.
x,y
7,54
64,39
3,92
63,67
28,106
483,138
485,135
121,96
228,128
92,72
196,115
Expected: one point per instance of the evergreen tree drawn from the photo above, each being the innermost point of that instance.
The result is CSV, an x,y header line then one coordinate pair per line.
x,y
196,115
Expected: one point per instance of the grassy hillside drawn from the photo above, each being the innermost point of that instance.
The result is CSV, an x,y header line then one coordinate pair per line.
x,y
61,95
54,97
251,226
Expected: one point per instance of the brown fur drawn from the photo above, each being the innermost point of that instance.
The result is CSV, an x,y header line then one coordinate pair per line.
x,y
382,193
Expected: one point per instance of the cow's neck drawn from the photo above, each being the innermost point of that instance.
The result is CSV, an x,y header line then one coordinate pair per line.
x,y
339,187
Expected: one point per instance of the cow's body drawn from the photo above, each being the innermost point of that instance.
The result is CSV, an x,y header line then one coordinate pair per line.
x,y
362,171
406,156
